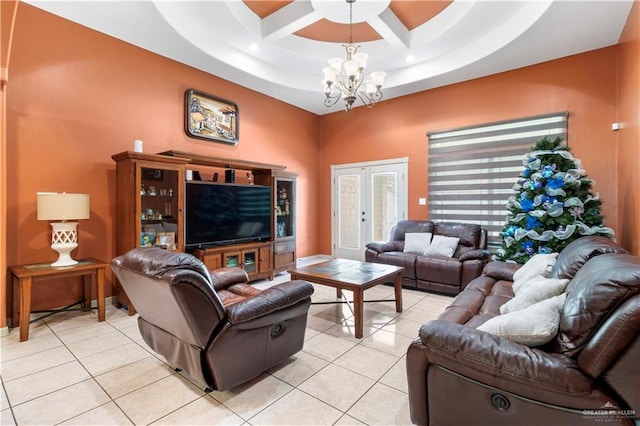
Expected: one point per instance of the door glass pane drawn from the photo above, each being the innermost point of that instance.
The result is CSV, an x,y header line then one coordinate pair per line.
x,y
349,211
384,209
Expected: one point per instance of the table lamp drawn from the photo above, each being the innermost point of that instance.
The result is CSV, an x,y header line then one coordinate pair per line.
x,y
63,207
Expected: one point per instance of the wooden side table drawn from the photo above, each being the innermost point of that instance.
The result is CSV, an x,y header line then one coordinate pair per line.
x,y
92,271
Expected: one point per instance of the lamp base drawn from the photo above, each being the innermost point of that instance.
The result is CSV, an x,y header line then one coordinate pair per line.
x,y
64,240
64,258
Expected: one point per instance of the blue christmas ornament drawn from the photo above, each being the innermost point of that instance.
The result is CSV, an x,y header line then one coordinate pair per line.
x,y
527,246
527,205
555,183
532,222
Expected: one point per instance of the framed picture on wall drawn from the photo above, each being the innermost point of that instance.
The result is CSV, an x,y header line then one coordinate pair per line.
x,y
211,118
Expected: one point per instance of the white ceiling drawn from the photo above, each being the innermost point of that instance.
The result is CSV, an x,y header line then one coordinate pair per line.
x,y
467,40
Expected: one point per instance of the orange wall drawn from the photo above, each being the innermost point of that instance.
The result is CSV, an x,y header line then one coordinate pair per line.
x,y
584,85
77,96
8,11
629,135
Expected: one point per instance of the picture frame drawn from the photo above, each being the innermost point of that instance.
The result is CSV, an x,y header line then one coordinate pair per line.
x,y
166,239
211,118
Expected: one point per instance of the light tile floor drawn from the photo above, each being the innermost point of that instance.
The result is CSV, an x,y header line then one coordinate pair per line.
x,y
74,370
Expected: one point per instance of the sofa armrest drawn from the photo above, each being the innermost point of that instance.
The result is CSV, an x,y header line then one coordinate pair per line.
x,y
501,270
271,300
381,246
500,362
478,254
226,277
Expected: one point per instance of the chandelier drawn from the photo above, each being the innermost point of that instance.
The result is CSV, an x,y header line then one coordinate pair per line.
x,y
345,79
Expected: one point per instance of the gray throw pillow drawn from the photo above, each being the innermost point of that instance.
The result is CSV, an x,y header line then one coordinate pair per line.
x,y
416,242
533,291
540,264
533,326
442,246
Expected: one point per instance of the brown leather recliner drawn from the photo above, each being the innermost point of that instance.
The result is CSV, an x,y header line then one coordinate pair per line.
x,y
214,326
588,374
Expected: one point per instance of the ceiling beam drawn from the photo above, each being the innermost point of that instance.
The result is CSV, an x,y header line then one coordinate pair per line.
x,y
288,20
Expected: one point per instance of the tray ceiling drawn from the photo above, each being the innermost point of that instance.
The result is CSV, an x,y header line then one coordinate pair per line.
x,y
279,48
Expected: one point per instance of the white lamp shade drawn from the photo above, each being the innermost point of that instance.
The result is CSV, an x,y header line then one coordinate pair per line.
x,y
361,59
329,74
369,87
336,63
378,78
62,206
351,68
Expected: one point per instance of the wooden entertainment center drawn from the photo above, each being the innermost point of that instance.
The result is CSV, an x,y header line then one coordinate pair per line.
x,y
150,198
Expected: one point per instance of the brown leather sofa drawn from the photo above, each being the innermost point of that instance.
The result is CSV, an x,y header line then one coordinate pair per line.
x,y
214,326
448,275
588,374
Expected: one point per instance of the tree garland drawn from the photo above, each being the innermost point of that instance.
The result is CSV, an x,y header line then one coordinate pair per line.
x,y
552,205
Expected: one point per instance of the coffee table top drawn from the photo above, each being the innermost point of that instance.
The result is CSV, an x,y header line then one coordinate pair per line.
x,y
347,271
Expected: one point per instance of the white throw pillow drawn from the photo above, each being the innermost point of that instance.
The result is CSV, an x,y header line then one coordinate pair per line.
x,y
540,264
535,290
442,246
416,242
533,326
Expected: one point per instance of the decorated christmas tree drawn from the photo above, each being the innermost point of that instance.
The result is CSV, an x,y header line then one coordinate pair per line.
x,y
552,206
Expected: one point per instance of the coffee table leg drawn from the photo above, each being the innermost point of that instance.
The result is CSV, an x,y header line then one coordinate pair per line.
x,y
358,308
397,285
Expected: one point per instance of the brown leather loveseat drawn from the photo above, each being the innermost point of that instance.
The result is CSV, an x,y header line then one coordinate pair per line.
x,y
442,274
588,373
211,324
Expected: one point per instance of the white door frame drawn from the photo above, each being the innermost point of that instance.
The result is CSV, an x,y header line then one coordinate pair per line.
x,y
402,193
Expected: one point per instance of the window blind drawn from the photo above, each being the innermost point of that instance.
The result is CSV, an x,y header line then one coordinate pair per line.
x,y
472,170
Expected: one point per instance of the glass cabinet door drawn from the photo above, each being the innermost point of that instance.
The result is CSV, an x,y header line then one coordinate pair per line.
x,y
159,208
249,261
285,211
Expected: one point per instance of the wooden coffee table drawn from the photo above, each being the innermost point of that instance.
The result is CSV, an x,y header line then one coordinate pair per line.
x,y
353,275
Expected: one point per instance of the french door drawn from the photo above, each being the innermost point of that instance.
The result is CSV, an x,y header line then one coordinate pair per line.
x,y
367,200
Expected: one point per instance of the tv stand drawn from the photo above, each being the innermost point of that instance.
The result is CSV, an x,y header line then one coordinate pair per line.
x,y
283,189
150,210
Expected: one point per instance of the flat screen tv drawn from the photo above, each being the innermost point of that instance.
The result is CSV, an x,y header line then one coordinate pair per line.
x,y
222,214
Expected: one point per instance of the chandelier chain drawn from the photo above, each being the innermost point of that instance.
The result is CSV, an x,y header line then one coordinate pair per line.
x,y
350,22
